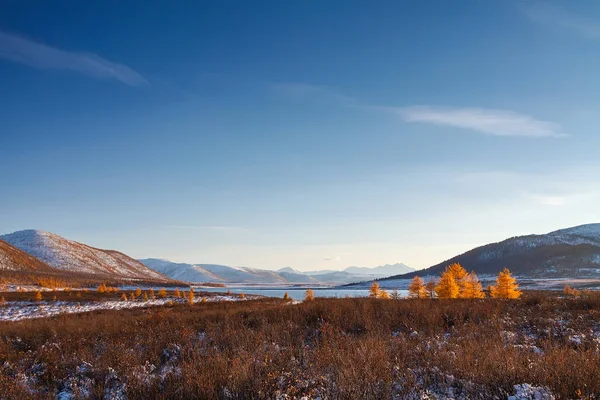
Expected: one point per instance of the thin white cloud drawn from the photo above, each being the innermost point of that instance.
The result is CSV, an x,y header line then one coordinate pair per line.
x,y
37,55
545,13
482,120
487,121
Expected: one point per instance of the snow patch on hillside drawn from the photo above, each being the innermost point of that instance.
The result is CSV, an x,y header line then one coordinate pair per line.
x,y
72,256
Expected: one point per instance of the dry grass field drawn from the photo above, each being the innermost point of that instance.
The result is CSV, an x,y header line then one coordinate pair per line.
x,y
326,348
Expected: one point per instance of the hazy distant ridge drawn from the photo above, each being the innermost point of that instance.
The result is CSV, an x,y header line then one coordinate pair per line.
x,y
286,275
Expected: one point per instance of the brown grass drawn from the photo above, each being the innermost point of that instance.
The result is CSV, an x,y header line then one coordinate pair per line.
x,y
332,348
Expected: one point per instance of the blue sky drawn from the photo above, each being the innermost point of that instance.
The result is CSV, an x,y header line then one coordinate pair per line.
x,y
306,134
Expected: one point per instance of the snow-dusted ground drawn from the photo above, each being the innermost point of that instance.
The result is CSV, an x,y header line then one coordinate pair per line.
x,y
19,310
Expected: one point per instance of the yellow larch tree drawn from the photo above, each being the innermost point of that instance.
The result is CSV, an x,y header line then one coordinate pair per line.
x,y
38,295
374,290
177,294
383,294
162,293
138,292
506,286
190,297
447,288
416,288
471,287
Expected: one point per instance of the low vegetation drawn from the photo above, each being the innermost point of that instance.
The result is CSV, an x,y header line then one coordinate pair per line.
x,y
328,348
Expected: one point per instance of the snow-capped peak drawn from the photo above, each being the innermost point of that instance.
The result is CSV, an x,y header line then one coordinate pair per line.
x,y
290,270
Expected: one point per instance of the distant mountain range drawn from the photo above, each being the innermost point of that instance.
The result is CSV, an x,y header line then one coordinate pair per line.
x,y
566,253
226,274
55,254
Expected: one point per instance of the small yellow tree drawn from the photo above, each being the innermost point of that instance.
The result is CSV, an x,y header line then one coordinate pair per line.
x,y
568,290
471,288
447,288
384,294
124,297
242,295
228,292
162,293
309,295
102,288
132,296
138,292
2,301
177,294
38,295
506,286
145,296
374,290
203,300
190,297
416,288
286,296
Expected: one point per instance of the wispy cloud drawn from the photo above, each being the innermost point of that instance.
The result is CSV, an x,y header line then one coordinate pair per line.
x,y
552,15
487,121
37,55
482,120
314,93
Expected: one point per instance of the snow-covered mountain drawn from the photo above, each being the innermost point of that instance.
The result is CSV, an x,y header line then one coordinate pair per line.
x,y
78,258
14,260
211,272
225,274
566,253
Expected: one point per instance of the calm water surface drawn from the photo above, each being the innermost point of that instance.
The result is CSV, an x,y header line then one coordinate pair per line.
x,y
295,293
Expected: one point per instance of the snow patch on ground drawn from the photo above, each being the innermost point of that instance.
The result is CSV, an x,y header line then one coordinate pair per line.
x,y
19,310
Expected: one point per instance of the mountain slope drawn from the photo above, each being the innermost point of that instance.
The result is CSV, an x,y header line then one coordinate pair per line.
x,y
215,273
566,253
14,260
67,255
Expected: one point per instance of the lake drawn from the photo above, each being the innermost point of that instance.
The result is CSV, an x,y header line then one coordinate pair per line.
x,y
295,292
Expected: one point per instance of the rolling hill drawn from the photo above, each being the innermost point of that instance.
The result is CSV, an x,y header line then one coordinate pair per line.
x,y
76,258
566,253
